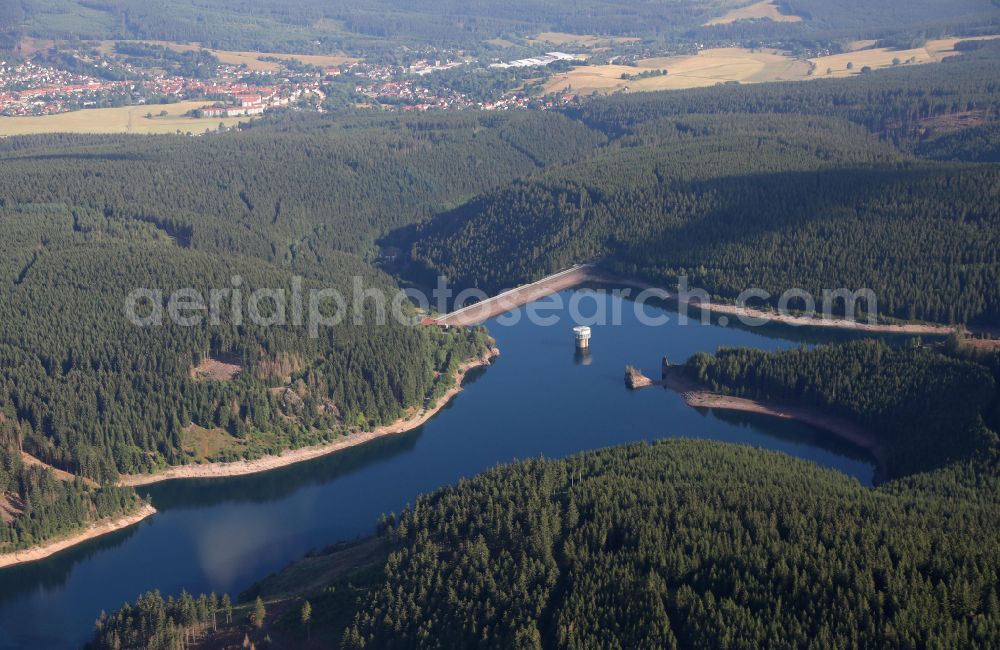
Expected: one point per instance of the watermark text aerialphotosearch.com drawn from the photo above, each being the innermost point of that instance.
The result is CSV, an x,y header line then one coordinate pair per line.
x,y
316,309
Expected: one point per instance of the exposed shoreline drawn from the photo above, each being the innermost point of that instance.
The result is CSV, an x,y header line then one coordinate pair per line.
x,y
245,467
836,323
588,273
94,530
785,319
697,397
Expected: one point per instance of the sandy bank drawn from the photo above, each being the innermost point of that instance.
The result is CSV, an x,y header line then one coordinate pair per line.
x,y
845,429
774,317
244,467
838,323
982,344
94,530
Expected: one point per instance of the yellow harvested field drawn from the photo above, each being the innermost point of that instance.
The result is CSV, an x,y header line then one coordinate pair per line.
x,y
881,57
252,59
763,10
127,119
580,40
721,65
707,68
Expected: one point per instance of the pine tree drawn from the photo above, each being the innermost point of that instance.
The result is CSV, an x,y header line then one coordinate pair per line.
x,y
258,614
306,616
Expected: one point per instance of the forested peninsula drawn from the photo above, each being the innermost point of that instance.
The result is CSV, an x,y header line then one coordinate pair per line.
x,y
926,405
42,512
679,544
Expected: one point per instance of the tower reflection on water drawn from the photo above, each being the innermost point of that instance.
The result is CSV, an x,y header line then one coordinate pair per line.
x,y
581,334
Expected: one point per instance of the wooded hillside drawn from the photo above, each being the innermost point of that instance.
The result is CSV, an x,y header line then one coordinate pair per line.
x,y
774,186
680,544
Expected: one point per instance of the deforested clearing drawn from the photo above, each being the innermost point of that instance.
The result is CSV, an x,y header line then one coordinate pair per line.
x,y
216,370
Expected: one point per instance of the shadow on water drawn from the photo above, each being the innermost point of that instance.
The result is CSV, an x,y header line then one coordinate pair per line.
x,y
790,431
771,329
52,572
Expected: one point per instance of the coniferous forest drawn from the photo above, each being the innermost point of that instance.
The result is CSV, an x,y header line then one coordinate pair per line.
x,y
38,506
686,544
86,220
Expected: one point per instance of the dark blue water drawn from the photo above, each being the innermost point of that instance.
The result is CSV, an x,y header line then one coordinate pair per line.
x,y
539,398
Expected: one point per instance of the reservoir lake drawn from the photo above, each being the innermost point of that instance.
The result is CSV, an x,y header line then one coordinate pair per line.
x,y
541,397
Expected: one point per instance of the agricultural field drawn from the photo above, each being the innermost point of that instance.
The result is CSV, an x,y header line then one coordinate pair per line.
x,y
126,119
882,57
722,65
763,10
707,68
